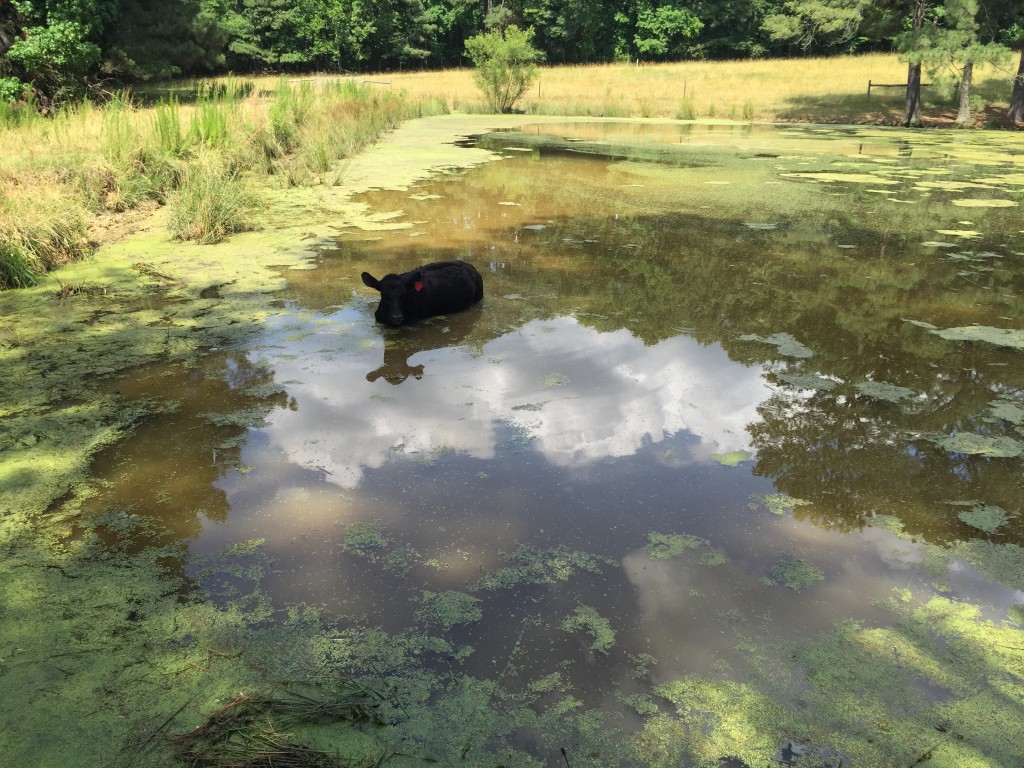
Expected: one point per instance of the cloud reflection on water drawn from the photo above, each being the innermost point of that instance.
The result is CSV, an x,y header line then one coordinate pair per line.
x,y
580,394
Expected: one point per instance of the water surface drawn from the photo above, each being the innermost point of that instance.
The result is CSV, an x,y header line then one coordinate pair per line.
x,y
729,339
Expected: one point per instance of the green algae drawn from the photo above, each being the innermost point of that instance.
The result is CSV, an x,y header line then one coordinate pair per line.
x,y
642,663
713,558
529,565
787,345
243,417
972,444
448,609
585,617
984,517
776,503
1009,410
1000,337
795,573
1001,562
810,381
661,546
365,540
401,560
883,390
712,720
731,459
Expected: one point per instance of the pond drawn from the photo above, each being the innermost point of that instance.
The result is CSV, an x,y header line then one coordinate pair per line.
x,y
730,387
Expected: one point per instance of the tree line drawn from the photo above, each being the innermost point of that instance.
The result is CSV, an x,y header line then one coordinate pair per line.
x,y
51,49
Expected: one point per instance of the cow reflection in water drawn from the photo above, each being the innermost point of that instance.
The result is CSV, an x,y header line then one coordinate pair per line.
x,y
400,346
396,368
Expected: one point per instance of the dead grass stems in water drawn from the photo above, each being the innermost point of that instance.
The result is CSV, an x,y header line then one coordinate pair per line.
x,y
204,146
252,730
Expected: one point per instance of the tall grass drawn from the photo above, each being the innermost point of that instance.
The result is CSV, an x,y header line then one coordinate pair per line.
x,y
212,203
201,148
38,231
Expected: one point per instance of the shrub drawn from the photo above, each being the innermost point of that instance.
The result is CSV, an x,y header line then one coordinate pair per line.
x,y
505,65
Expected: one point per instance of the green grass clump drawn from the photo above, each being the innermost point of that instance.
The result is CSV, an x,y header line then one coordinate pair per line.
x,y
211,204
687,109
36,236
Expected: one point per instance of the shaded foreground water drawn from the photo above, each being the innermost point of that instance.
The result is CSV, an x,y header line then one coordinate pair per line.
x,y
730,388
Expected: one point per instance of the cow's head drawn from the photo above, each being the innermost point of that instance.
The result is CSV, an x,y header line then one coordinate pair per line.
x,y
398,294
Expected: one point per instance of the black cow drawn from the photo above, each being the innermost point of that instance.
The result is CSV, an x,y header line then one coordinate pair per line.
x,y
434,289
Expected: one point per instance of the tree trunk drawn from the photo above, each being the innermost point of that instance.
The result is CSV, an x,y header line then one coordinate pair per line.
x,y
912,117
963,116
1016,113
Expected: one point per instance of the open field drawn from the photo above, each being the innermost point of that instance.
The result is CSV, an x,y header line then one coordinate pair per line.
x,y
827,90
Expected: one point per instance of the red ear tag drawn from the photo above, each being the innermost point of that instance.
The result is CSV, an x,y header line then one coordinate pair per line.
x,y
418,286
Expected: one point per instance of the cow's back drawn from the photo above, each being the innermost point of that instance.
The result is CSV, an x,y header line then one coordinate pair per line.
x,y
451,286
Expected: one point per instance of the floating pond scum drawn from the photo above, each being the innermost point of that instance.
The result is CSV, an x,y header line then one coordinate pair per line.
x,y
724,470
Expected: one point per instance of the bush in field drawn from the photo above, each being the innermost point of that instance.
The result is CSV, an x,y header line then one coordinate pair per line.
x,y
505,65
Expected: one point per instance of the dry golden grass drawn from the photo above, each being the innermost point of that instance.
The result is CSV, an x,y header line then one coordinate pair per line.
x,y
808,90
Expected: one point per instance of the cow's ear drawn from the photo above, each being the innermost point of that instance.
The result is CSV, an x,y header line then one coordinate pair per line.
x,y
370,281
417,281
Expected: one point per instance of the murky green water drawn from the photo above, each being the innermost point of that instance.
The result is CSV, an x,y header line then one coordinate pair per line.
x,y
728,386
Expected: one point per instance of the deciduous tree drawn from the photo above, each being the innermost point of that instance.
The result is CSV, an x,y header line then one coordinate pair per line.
x,y
505,65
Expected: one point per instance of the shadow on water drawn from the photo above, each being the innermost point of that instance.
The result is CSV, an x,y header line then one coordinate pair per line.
x,y
703,402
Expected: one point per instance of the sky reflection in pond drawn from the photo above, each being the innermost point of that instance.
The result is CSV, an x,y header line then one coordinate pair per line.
x,y
578,394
